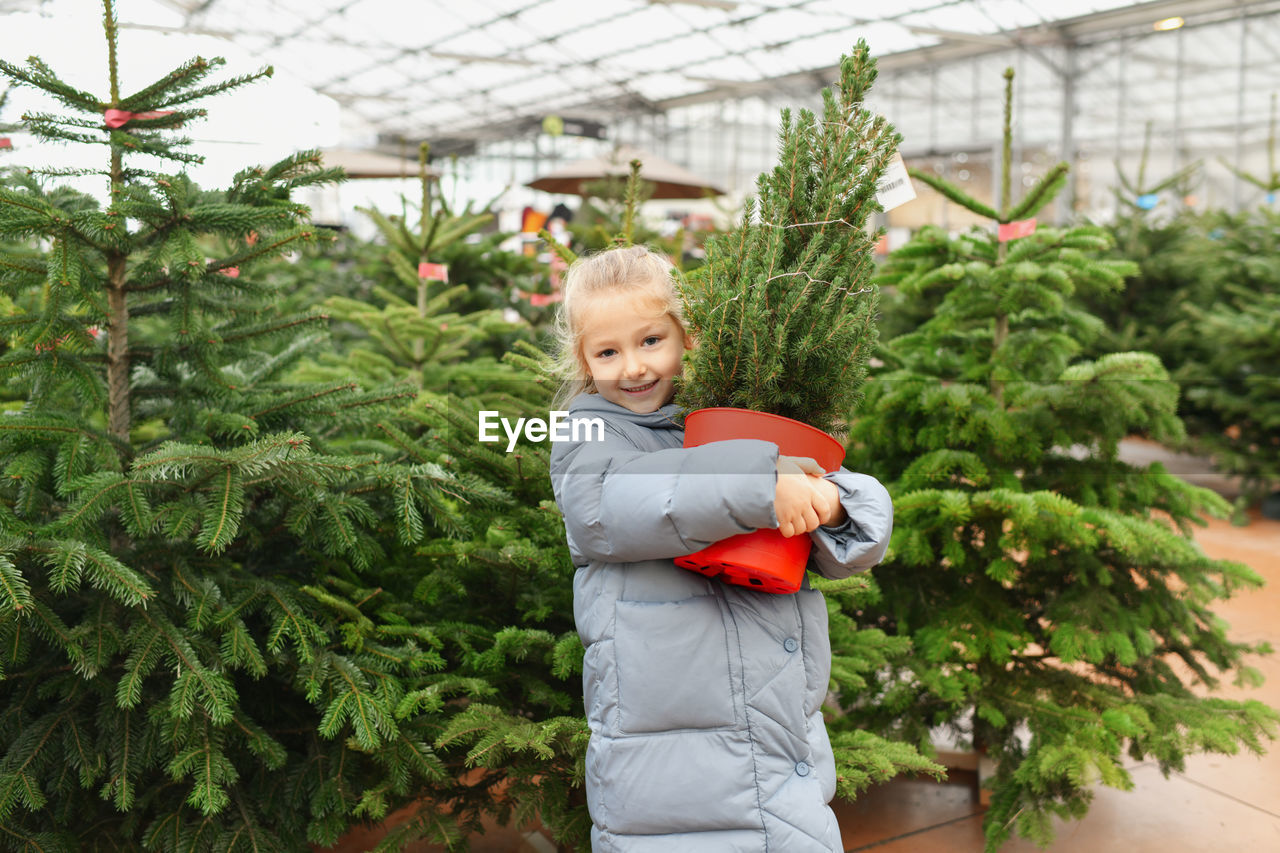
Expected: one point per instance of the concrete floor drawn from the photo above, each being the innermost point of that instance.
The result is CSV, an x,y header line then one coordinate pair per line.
x,y
1220,803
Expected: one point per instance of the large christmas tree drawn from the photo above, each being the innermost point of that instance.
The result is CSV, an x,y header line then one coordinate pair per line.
x,y
197,653
1059,611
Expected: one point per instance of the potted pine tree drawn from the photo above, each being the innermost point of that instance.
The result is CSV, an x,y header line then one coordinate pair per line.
x,y
783,310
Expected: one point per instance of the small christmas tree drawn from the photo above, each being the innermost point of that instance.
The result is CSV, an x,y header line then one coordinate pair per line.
x,y
1058,609
608,216
1269,183
418,331
783,310
1152,231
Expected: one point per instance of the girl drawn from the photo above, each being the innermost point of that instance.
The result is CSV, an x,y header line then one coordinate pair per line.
x,y
703,699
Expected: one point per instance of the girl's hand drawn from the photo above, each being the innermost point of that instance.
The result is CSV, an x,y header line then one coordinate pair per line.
x,y
831,494
799,503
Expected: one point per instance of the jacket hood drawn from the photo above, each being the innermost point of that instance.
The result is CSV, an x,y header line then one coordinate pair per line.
x,y
667,417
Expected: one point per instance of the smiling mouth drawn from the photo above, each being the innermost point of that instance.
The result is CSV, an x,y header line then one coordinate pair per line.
x,y
640,389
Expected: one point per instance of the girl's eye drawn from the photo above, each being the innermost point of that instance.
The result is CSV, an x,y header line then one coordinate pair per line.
x,y
604,353
652,339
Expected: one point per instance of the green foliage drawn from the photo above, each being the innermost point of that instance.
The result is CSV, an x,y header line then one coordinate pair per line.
x,y
1138,315
1225,348
1052,595
415,331
394,322
487,579
783,310
1205,302
504,597
858,654
238,610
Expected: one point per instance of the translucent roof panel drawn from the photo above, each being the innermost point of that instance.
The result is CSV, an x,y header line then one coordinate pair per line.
x,y
483,69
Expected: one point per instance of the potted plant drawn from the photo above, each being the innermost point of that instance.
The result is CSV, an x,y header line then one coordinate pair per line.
x,y
783,310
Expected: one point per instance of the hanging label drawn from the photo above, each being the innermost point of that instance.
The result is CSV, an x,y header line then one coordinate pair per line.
x,y
540,300
435,272
895,187
5,142
1013,230
1147,201
119,118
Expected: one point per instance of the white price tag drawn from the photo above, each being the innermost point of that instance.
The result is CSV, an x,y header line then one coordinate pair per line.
x,y
895,187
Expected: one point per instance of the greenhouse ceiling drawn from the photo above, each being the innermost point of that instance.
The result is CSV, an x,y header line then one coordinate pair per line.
x,y
457,72
465,72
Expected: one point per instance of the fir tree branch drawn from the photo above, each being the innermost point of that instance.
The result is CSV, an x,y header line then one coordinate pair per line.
x,y
184,76
323,392
1269,185
216,88
39,76
563,252
1039,195
955,194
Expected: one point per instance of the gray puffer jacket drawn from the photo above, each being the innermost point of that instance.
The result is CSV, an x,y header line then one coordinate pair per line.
x,y
703,699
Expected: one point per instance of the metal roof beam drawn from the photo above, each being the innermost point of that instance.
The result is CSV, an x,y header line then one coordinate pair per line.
x,y
1077,29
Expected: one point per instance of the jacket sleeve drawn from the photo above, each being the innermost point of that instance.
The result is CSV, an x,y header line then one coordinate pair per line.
x,y
861,541
622,505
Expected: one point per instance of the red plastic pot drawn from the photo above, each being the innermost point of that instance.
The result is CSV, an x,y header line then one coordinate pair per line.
x,y
763,560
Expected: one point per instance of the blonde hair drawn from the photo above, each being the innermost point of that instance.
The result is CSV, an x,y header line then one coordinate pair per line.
x,y
625,268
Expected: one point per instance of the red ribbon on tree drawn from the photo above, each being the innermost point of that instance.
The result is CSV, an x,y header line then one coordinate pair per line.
x,y
6,142
435,272
1013,230
119,118
540,300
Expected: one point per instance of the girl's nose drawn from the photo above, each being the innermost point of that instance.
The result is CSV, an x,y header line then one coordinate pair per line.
x,y
634,366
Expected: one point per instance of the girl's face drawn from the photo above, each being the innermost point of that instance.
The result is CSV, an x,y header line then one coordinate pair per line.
x,y
632,348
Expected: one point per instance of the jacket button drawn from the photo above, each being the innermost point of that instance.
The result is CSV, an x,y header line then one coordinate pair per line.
x,y
790,644
802,769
